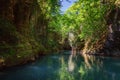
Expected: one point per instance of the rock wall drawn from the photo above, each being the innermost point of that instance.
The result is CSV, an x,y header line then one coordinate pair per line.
x,y
17,42
112,43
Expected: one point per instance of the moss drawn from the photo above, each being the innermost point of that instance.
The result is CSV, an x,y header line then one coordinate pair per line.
x,y
8,38
8,32
14,46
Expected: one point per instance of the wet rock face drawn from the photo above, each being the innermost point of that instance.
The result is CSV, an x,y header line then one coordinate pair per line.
x,y
114,28
117,39
18,12
6,9
112,43
22,13
16,41
15,16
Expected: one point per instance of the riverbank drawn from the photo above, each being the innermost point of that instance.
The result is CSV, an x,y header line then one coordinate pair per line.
x,y
22,61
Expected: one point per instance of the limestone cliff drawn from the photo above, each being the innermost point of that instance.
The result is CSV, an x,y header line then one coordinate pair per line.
x,y
17,22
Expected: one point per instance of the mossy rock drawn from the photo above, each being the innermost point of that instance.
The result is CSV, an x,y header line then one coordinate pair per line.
x,y
8,38
8,33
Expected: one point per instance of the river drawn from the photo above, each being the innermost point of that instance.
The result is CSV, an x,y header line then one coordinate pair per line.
x,y
65,66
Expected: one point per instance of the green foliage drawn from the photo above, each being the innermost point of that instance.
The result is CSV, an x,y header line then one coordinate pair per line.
x,y
64,74
85,19
49,7
89,16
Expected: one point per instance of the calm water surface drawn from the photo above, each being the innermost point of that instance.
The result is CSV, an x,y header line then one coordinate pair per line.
x,y
65,66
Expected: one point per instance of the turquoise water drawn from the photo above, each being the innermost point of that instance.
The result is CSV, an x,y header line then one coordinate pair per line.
x,y
65,67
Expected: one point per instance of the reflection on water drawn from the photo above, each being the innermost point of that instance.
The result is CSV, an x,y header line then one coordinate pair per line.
x,y
67,70
66,66
71,63
91,68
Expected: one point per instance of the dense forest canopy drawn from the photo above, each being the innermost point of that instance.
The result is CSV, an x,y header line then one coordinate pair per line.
x,y
86,19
